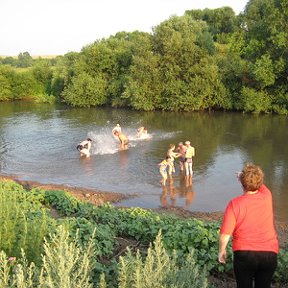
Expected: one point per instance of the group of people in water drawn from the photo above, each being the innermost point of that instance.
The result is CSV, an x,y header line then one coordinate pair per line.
x,y
185,152
85,146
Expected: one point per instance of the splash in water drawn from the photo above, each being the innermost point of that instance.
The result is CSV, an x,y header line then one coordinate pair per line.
x,y
105,143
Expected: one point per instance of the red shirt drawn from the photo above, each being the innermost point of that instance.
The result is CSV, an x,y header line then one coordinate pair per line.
x,y
249,219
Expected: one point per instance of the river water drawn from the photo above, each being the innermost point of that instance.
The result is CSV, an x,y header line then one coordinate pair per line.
x,y
38,142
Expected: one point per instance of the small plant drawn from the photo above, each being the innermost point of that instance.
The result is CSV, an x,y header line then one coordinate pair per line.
x,y
159,269
65,265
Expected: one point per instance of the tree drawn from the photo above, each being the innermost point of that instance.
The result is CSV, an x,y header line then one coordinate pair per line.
x,y
24,60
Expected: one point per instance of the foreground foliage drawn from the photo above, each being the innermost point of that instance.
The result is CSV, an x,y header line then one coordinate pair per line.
x,y
186,245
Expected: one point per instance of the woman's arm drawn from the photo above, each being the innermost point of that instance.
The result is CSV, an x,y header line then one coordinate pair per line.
x,y
223,242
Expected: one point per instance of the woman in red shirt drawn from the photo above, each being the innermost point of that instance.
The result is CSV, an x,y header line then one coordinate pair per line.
x,y
249,219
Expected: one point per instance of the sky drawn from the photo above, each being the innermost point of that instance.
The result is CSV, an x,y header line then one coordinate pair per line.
x,y
56,27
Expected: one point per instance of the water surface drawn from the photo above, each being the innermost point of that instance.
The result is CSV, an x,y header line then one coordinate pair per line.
x,y
38,142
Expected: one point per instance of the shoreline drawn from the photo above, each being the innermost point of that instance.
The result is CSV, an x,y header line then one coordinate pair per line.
x,y
98,198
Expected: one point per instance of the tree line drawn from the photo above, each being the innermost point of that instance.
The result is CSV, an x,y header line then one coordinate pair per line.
x,y
207,59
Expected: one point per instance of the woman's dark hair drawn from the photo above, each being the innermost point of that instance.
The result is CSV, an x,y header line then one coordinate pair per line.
x,y
251,177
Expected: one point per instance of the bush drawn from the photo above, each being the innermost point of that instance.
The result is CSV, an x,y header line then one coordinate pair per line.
x,y
65,265
159,269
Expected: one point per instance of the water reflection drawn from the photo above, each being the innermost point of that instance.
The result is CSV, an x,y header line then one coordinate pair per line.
x,y
171,193
87,165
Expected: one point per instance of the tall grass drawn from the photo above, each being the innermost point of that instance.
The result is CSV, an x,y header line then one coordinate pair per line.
x,y
23,222
160,270
64,265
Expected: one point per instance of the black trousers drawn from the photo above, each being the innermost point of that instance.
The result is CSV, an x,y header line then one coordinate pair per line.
x,y
254,266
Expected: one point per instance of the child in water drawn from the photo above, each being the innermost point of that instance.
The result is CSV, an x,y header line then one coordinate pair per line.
x,y
172,155
84,147
141,131
162,169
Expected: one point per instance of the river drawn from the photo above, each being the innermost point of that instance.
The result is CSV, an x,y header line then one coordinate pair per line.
x,y
38,142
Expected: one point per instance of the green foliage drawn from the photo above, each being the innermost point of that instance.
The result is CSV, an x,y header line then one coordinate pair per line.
x,y
281,271
159,269
263,71
180,235
64,264
104,240
24,60
85,91
24,224
202,60
255,101
23,221
6,76
221,20
66,204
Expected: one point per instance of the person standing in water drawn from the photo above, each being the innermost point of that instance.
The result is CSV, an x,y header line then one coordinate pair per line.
x,y
190,152
123,140
172,156
182,150
163,169
84,147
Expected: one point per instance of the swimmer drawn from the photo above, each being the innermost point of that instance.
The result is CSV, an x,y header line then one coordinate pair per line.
x,y
172,156
163,166
117,128
123,140
84,147
190,152
182,150
141,131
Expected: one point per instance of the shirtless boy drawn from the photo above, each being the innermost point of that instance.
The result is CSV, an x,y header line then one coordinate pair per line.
x,y
123,140
182,150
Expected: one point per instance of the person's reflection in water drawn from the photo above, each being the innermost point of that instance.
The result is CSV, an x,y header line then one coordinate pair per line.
x,y
169,194
87,165
163,197
173,191
190,194
123,160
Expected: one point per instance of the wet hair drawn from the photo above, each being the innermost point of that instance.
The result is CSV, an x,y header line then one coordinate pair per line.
x,y
168,157
251,177
89,139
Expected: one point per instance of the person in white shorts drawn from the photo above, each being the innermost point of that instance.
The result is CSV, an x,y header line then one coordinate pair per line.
x,y
84,147
190,152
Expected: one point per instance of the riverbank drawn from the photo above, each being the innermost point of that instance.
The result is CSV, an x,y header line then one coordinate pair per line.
x,y
98,198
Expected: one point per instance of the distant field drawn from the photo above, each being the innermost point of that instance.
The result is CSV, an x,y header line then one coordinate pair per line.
x,y
33,56
44,56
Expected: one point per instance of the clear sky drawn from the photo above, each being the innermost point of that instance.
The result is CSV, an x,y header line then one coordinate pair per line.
x,y
54,27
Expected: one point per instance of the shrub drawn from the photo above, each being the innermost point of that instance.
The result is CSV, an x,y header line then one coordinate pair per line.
x,y
159,269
